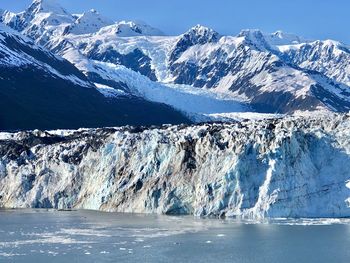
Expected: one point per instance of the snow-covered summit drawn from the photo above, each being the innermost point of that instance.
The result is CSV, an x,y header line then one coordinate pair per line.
x,y
42,20
47,13
46,6
89,22
330,58
202,34
282,38
255,38
197,35
7,17
130,29
270,41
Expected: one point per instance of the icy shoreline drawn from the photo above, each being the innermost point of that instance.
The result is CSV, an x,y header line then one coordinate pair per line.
x,y
291,167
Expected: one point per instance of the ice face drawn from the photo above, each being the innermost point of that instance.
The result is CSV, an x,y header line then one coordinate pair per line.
x,y
290,167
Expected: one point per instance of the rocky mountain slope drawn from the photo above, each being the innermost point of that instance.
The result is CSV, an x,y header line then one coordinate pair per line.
x,y
288,167
271,73
41,90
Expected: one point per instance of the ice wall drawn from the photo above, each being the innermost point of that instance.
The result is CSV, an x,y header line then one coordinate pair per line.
x,y
290,167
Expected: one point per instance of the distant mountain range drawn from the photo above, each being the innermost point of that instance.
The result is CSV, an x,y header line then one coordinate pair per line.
x,y
62,70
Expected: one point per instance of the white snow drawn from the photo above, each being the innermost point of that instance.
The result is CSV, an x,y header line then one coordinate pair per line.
x,y
16,58
184,98
237,56
89,22
328,57
280,38
109,91
129,29
240,116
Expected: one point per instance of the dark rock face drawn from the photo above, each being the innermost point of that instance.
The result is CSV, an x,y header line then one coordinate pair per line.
x,y
330,99
50,103
48,92
198,35
33,96
63,66
134,60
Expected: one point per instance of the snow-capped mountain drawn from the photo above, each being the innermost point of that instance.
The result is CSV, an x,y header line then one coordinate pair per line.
x,y
42,20
328,57
270,41
89,22
274,73
129,29
41,90
288,167
245,68
198,35
281,38
19,52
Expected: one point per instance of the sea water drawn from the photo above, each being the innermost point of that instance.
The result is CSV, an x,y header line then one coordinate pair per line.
x,y
88,236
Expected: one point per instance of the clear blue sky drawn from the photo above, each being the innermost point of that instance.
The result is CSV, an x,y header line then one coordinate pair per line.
x,y
314,19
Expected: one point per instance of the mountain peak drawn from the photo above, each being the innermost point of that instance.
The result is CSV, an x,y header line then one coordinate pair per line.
x,y
255,38
90,22
197,35
329,42
46,6
142,28
200,27
91,13
42,19
130,28
2,15
264,41
204,33
251,33
282,38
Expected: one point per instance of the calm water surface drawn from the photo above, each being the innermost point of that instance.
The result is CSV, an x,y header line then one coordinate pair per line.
x,y
86,236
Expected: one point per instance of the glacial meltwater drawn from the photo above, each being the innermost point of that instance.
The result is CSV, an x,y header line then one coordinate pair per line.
x,y
88,236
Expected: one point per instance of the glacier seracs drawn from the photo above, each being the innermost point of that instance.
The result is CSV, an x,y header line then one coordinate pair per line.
x,y
286,167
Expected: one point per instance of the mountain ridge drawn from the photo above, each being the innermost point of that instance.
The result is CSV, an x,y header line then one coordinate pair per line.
x,y
40,90
271,73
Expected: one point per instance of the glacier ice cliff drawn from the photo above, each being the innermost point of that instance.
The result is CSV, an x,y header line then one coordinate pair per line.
x,y
286,167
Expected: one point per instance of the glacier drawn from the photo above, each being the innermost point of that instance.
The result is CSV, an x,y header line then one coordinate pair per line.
x,y
253,71
287,167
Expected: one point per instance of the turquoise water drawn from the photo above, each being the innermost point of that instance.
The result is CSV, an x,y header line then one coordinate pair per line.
x,y
86,236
